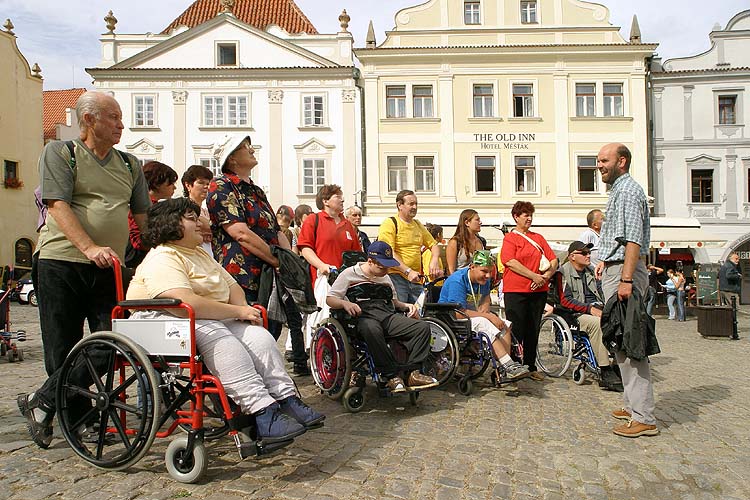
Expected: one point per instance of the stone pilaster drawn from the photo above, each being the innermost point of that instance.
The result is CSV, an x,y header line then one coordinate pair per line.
x,y
179,138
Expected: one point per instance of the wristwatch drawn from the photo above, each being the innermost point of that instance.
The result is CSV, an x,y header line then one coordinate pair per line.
x,y
408,270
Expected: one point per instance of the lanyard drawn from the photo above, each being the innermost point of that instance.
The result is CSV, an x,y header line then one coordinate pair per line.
x,y
471,289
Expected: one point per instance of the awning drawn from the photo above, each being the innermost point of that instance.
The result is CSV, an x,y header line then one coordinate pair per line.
x,y
684,237
685,257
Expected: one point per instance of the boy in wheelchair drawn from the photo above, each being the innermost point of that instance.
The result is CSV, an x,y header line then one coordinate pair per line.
x,y
365,292
470,289
235,349
581,300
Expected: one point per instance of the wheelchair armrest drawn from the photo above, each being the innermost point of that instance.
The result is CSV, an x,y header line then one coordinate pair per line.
x,y
442,306
149,303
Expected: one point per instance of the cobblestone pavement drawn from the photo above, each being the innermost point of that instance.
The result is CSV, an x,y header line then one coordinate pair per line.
x,y
542,440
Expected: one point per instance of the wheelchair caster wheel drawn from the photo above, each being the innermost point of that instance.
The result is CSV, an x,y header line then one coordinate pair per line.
x,y
353,399
413,397
465,386
579,375
19,354
10,355
183,466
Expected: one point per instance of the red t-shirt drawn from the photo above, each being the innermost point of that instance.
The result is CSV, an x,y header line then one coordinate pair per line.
x,y
517,247
330,240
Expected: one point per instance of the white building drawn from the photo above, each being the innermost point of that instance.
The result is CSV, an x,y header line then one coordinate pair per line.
x,y
231,67
701,106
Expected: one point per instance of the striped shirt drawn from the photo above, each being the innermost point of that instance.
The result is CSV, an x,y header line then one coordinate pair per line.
x,y
626,220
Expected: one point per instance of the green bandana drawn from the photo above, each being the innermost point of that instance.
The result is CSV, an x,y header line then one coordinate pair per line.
x,y
483,258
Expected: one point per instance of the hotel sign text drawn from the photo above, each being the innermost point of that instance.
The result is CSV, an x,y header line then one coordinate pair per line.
x,y
504,140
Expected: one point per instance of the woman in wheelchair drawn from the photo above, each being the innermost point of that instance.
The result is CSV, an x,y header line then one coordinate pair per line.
x,y
240,353
364,291
470,288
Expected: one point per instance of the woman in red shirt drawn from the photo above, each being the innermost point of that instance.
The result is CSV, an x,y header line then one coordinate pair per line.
x,y
525,285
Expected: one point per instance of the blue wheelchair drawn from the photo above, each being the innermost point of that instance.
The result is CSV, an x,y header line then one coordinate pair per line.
x,y
561,341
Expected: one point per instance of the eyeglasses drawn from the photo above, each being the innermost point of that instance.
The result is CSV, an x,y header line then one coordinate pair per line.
x,y
583,252
190,216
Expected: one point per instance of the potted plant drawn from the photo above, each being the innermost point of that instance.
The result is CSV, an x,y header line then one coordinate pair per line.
x,y
13,183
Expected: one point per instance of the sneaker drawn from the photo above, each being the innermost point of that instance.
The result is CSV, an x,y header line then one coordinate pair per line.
x,y
299,411
420,381
301,369
634,429
622,414
609,381
395,384
39,430
515,370
273,426
90,434
537,375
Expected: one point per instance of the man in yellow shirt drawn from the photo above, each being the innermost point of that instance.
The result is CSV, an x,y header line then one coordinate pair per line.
x,y
407,236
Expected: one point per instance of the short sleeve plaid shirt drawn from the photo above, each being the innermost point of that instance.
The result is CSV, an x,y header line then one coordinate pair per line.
x,y
626,220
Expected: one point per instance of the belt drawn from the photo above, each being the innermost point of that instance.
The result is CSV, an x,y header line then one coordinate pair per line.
x,y
613,262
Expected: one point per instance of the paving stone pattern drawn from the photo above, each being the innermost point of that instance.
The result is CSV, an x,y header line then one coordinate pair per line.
x,y
539,440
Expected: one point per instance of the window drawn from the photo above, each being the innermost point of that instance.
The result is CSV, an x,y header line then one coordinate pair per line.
x,y
525,174
484,174
585,99
226,54
313,110
422,96
727,109
483,96
225,111
471,13
144,111
701,186
313,175
523,100
397,173
424,173
613,99
528,13
588,178
212,165
395,101
11,170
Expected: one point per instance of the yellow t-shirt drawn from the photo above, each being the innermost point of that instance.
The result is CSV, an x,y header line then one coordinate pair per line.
x,y
408,243
167,267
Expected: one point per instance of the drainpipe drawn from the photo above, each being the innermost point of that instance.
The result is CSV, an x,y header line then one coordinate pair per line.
x,y
363,138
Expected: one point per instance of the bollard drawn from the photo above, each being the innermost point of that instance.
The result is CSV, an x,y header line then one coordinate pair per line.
x,y
735,336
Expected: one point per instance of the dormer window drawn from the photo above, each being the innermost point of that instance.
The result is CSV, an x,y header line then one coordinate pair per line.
x,y
528,12
471,12
226,54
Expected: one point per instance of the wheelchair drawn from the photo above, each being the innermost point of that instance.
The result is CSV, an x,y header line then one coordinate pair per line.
x,y
134,380
561,341
474,348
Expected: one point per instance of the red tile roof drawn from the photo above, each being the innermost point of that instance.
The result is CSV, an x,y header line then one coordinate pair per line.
x,y
258,13
55,103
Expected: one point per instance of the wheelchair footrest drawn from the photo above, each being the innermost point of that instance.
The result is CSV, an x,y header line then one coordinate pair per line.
x,y
258,448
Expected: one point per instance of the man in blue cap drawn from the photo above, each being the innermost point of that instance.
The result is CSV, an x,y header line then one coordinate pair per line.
x,y
364,291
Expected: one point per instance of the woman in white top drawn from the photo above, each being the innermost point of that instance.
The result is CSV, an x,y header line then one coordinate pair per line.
x,y
465,241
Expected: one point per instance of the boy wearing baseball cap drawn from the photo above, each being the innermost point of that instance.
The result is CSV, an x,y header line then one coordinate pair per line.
x,y
364,291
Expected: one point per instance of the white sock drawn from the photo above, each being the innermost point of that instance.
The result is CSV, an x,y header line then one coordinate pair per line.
x,y
39,414
506,360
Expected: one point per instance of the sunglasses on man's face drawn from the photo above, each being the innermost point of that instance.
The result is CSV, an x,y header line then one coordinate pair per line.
x,y
583,252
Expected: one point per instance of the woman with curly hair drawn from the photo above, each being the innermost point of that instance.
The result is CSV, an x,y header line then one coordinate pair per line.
x,y
465,241
242,354
529,264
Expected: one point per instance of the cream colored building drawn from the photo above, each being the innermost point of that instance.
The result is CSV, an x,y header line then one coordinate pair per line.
x,y
20,144
237,69
483,103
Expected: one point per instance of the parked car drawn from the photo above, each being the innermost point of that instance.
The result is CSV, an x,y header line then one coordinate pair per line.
x,y
25,292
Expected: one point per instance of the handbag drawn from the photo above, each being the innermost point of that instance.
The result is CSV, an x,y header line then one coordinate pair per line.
x,y
544,263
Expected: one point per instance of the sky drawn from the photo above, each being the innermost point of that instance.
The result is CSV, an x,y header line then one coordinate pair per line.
x,y
62,36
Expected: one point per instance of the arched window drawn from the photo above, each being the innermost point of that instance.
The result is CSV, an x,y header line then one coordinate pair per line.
x,y
24,251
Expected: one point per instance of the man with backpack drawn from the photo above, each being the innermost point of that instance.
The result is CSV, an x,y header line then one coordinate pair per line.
x,y
407,236
88,188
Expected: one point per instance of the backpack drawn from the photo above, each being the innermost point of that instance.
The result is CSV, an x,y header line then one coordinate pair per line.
x,y
42,207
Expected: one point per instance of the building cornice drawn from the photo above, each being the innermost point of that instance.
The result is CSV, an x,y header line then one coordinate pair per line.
x,y
481,50
245,74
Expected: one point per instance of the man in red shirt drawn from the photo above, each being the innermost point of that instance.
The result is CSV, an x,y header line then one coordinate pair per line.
x,y
326,235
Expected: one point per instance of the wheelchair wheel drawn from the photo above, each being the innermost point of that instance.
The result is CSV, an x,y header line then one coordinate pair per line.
x,y
186,467
465,386
330,359
555,348
443,359
108,380
579,374
354,399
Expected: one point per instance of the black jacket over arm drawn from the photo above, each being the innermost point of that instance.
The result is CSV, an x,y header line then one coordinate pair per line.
x,y
626,326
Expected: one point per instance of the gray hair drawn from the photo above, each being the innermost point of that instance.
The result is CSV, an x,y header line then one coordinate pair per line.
x,y
351,209
89,103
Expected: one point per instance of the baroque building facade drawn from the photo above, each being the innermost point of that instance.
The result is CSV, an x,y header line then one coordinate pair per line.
x,y
701,108
241,67
482,103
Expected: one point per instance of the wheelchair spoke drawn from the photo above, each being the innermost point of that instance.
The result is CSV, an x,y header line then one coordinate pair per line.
x,y
95,378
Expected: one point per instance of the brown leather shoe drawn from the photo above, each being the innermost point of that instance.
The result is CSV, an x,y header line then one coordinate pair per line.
x,y
396,384
622,414
634,429
537,375
419,381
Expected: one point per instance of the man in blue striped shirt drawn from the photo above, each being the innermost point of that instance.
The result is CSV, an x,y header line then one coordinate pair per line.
x,y
623,248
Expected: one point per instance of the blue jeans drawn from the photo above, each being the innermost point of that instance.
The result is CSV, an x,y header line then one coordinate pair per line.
x,y
680,305
671,299
406,291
